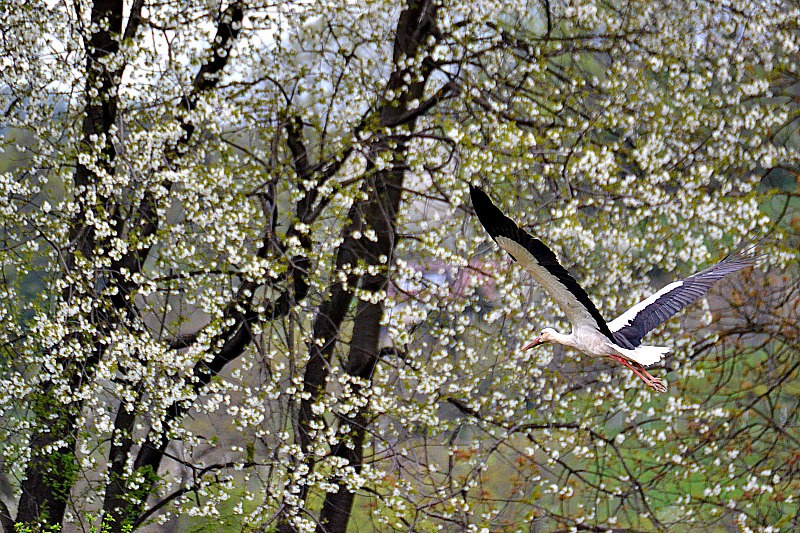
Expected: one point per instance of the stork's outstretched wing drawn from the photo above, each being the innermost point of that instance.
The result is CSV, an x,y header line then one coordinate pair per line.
x,y
540,262
636,322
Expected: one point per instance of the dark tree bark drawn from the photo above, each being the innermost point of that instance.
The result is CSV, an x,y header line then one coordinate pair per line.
x,y
6,522
379,213
50,474
364,345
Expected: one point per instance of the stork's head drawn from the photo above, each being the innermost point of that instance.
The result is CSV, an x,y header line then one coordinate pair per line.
x,y
545,336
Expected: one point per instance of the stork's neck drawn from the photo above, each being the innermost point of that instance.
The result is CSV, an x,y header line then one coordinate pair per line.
x,y
564,339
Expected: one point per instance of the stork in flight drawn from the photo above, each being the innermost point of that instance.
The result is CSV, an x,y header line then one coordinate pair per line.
x,y
620,339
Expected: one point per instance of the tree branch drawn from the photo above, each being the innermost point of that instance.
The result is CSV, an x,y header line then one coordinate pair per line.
x,y
146,224
448,90
134,20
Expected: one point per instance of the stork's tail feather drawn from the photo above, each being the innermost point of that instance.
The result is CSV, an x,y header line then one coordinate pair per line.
x,y
645,355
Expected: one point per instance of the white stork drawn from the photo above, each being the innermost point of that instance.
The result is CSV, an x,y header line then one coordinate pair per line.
x,y
619,339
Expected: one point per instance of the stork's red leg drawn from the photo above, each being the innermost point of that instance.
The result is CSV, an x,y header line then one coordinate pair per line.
x,y
653,382
645,376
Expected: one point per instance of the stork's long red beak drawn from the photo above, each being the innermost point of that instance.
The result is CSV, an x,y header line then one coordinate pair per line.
x,y
535,342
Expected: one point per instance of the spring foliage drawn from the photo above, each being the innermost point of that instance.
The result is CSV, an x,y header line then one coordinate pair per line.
x,y
241,279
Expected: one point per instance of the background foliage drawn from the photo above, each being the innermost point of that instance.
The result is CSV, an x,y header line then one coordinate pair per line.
x,y
242,285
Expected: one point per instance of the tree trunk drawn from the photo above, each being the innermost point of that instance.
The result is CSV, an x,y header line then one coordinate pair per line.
x,y
379,213
361,361
50,474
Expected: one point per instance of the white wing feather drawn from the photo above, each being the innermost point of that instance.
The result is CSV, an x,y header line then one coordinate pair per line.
x,y
576,313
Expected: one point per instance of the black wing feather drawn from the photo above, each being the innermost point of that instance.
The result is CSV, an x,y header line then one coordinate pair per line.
x,y
665,306
499,225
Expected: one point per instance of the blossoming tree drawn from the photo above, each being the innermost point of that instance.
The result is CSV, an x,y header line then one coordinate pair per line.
x,y
242,282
